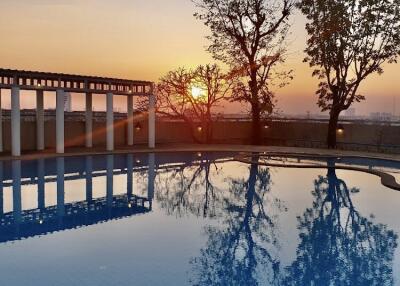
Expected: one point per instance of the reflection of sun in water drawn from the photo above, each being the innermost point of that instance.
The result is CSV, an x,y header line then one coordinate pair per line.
x,y
197,92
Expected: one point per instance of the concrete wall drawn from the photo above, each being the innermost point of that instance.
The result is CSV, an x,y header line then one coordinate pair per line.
x,y
356,136
373,137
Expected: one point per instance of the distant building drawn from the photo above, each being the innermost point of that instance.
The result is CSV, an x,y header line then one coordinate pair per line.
x,y
381,116
350,113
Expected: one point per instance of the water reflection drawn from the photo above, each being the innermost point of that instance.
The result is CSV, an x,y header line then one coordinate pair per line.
x,y
242,239
20,223
1,189
89,178
339,246
244,248
188,188
16,177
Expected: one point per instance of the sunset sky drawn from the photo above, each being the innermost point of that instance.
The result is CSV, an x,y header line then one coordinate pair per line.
x,y
138,39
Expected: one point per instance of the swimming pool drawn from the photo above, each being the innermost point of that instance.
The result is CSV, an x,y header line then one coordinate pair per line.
x,y
197,219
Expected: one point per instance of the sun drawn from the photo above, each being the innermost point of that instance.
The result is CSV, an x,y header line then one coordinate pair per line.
x,y
197,92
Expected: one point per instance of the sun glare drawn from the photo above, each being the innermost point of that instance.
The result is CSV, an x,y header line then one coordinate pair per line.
x,y
197,92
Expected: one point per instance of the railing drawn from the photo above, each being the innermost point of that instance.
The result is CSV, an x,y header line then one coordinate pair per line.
x,y
365,121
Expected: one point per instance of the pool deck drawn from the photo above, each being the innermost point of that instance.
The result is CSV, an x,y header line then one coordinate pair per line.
x,y
268,150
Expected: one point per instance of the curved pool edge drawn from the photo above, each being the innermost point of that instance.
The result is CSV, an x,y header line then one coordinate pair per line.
x,y
387,180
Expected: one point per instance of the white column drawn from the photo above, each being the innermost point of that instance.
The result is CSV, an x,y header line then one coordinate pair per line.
x,y
15,122
130,120
60,121
1,126
39,120
89,120
152,121
110,122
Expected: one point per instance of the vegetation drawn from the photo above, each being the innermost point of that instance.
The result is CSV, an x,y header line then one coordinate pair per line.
x,y
249,36
191,96
348,41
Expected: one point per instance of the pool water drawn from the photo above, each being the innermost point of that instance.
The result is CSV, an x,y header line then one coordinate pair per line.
x,y
194,219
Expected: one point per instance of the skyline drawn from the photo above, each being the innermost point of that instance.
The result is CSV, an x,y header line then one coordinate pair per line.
x,y
79,36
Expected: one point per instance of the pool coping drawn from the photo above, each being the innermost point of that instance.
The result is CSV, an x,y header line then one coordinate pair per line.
x,y
387,180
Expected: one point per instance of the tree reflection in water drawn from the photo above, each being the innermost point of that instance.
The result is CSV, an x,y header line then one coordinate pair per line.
x,y
338,246
188,189
243,244
243,249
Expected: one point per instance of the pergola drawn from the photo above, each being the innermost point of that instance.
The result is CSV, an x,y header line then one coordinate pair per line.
x,y
18,80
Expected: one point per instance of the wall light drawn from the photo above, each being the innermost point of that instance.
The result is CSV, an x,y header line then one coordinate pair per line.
x,y
138,127
200,129
340,129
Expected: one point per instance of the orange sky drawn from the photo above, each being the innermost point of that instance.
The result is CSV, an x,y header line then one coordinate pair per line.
x,y
139,39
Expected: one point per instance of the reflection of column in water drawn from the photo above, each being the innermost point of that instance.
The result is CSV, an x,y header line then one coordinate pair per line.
x,y
41,183
151,177
129,174
89,178
60,187
110,179
16,176
1,188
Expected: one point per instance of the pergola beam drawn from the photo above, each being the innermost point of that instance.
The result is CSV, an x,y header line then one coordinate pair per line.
x,y
32,80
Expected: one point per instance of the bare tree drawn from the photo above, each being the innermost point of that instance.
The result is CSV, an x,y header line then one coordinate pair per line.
x,y
192,95
248,36
348,41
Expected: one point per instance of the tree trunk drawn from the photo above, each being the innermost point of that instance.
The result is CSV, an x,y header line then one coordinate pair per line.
x,y
256,126
255,108
332,129
209,126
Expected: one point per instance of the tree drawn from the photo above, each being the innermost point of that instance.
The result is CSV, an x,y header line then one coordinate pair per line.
x,y
248,36
348,41
191,96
